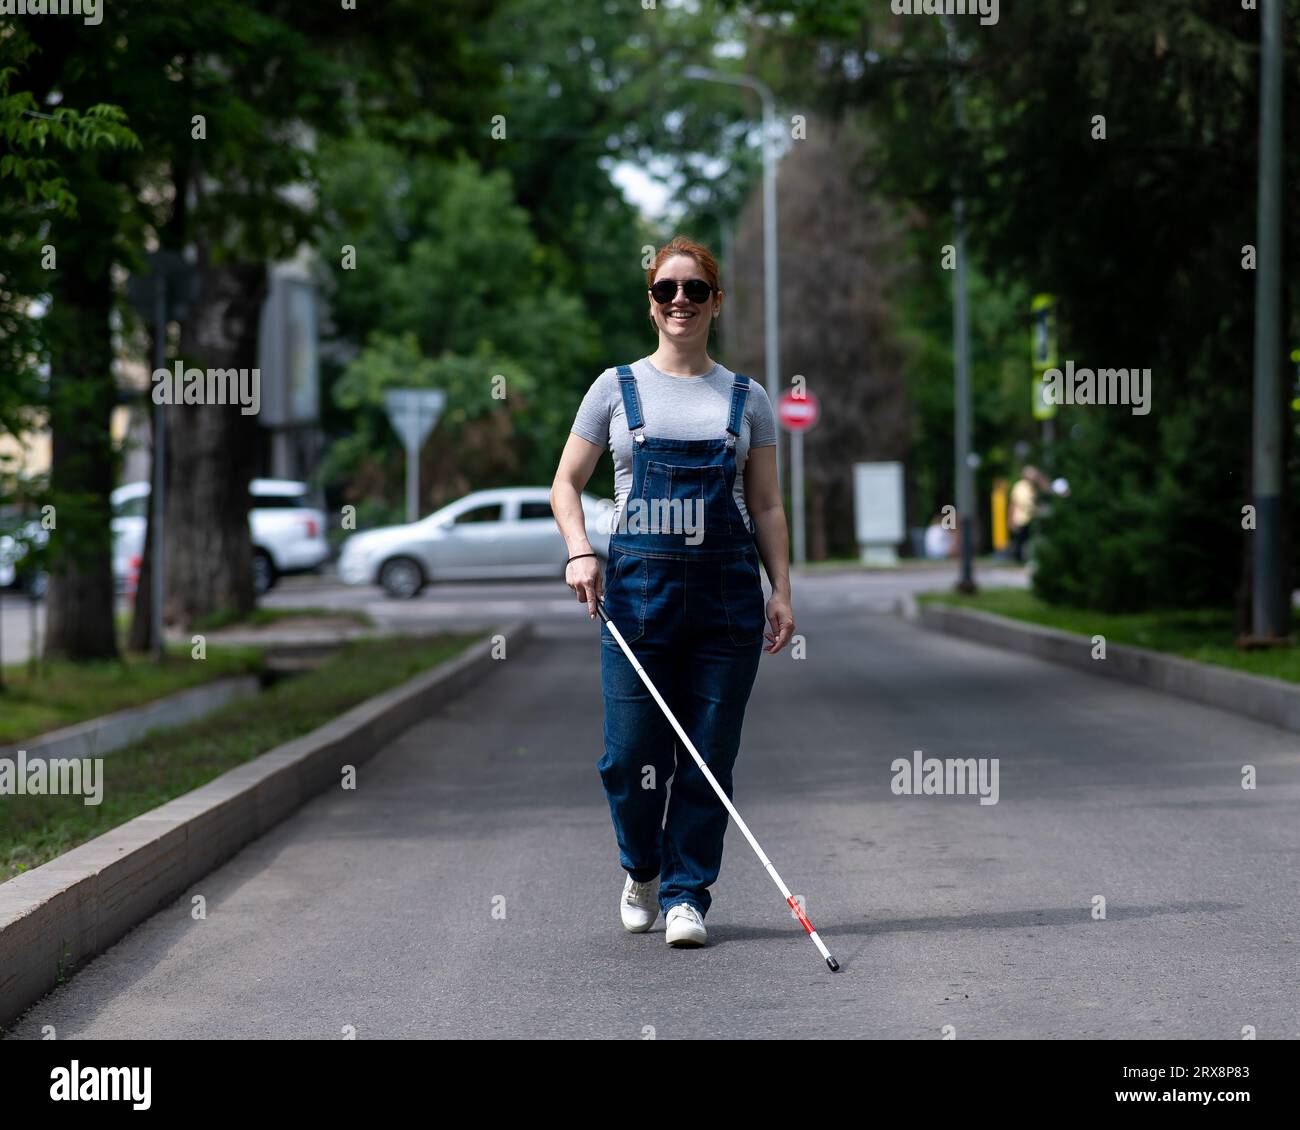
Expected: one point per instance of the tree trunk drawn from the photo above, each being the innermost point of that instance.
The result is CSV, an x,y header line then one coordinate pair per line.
x,y
82,392
212,454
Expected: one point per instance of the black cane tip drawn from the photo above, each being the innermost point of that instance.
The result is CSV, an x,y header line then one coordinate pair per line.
x,y
833,964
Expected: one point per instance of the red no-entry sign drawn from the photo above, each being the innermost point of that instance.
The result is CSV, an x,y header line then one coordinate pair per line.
x,y
797,413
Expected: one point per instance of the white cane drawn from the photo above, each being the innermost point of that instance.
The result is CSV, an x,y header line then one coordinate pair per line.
x,y
831,963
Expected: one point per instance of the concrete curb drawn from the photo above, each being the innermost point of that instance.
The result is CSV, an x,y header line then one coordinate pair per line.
x,y
919,568
58,915
108,732
1256,696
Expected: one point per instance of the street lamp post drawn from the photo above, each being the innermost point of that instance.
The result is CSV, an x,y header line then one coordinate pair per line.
x,y
1269,613
770,267
963,459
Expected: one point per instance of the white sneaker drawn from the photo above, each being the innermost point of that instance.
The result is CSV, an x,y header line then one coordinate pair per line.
x,y
639,906
685,926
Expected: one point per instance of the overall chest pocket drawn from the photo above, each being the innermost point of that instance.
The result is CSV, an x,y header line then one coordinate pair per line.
x,y
686,500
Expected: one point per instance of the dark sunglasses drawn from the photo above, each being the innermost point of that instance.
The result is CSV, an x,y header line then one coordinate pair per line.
x,y
665,290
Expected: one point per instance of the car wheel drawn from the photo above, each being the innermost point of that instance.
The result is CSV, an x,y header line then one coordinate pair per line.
x,y
263,572
402,578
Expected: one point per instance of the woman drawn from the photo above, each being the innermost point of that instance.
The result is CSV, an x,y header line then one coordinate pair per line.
x,y
695,475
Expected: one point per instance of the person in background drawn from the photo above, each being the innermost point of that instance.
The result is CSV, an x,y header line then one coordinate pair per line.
x,y
1021,507
940,543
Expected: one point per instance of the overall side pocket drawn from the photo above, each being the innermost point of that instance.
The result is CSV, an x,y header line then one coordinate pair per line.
x,y
625,596
742,600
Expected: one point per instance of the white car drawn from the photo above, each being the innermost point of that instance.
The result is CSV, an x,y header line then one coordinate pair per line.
x,y
288,536
16,536
509,532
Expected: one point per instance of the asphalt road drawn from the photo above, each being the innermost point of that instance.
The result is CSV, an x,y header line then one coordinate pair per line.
x,y
457,605
470,605
469,886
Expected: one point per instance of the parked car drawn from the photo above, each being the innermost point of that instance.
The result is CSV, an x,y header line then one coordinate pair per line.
x,y
18,533
509,532
288,536
130,517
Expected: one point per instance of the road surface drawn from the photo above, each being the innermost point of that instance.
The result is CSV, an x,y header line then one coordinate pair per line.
x,y
469,887
468,605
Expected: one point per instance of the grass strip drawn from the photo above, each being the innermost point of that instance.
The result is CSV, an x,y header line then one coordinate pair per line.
x,y
263,617
1204,635
60,694
169,763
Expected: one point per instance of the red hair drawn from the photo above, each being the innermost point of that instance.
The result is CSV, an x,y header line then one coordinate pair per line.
x,y
681,245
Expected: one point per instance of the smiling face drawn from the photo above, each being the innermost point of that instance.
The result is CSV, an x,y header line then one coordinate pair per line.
x,y
681,319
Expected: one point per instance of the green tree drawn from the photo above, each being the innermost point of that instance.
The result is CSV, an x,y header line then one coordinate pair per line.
x,y
1139,235
45,197
447,288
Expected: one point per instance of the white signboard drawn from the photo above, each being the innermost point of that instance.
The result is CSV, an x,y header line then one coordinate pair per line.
x,y
287,354
878,515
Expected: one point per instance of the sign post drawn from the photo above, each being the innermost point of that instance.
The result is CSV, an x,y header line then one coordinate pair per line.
x,y
1042,350
413,412
797,411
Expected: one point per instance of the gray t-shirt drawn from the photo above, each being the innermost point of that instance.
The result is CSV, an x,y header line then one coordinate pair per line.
x,y
673,408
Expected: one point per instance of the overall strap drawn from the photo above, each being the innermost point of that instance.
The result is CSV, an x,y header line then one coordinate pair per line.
x,y
631,403
739,393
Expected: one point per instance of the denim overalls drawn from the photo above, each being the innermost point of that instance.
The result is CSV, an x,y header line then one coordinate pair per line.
x,y
688,600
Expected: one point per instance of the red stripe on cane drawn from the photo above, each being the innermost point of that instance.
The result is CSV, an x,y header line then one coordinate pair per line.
x,y
798,910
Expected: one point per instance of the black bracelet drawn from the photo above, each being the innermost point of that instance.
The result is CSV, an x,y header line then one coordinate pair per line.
x,y
577,555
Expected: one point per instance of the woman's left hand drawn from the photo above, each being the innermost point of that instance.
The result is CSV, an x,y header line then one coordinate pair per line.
x,y
781,619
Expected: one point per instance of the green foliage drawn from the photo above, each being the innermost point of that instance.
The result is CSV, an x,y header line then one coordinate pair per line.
x,y
1000,382
63,694
1139,236
511,254
34,187
1205,635
171,762
584,85
450,290
480,256
1139,532
228,102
